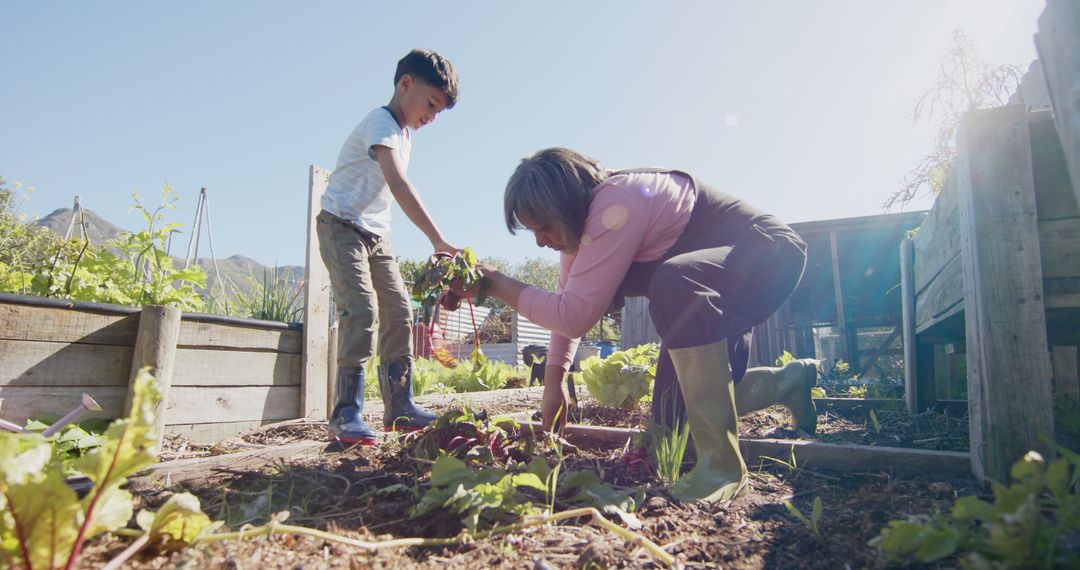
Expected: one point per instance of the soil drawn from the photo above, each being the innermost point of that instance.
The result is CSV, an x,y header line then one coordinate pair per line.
x,y
339,491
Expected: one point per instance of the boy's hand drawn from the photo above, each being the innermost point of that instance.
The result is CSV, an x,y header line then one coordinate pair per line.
x,y
443,247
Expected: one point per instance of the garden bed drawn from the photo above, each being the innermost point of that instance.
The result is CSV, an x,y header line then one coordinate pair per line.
x,y
366,493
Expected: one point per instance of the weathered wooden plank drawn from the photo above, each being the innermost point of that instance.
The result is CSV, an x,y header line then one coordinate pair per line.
x,y
1066,377
1059,248
838,291
48,402
31,363
155,350
1053,188
315,375
215,432
207,404
858,458
201,469
942,297
55,324
201,334
937,240
1008,371
637,325
1058,44
1062,293
907,302
808,453
229,368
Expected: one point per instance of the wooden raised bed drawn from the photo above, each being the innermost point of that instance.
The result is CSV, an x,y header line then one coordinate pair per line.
x,y
991,280
228,375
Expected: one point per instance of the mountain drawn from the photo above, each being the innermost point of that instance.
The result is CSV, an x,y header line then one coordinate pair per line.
x,y
239,273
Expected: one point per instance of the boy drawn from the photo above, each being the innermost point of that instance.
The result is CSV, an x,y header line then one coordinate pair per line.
x,y
353,229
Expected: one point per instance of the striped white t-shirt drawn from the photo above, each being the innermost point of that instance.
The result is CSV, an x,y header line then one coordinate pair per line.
x,y
358,191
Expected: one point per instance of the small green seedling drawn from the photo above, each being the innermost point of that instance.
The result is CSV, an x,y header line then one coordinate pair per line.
x,y
815,515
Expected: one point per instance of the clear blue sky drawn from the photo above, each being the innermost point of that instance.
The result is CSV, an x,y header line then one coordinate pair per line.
x,y
802,107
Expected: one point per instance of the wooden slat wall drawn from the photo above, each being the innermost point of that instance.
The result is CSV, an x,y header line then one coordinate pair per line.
x,y
226,372
1009,391
1058,44
938,271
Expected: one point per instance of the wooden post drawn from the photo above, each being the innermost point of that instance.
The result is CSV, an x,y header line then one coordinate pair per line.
x,y
331,367
1065,371
1058,44
1009,395
316,378
155,346
838,290
919,388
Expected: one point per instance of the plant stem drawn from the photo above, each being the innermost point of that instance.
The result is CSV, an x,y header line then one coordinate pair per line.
x,y
595,517
128,552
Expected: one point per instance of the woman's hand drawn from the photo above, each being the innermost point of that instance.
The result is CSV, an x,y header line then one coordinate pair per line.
x,y
556,401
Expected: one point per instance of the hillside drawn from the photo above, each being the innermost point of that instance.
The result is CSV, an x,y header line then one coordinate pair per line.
x,y
237,271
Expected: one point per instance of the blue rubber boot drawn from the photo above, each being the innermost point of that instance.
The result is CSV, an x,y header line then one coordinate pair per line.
x,y
346,423
395,385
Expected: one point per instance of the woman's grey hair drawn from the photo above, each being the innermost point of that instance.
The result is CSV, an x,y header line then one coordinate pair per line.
x,y
553,186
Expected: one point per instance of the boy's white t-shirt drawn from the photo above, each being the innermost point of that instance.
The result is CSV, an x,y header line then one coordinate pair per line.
x,y
358,191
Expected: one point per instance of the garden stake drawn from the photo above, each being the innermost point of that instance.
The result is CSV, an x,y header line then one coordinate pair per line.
x,y
4,424
87,404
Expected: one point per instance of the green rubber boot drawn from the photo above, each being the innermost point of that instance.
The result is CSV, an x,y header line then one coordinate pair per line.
x,y
705,380
789,386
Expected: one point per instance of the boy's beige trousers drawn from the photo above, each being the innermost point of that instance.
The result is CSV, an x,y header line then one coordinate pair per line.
x,y
368,290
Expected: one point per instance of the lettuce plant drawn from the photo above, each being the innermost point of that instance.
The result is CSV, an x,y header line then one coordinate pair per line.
x,y
622,379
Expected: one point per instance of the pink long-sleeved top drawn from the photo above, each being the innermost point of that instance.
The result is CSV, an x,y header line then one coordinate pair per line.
x,y
633,217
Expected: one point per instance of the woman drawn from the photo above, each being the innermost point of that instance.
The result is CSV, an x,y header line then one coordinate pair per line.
x,y
711,266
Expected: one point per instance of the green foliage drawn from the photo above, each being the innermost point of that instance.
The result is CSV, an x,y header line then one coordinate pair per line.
x,y
784,358
667,446
178,522
585,489
488,375
133,270
463,434
815,515
623,378
43,523
440,272
274,298
24,246
430,377
71,443
1028,524
485,494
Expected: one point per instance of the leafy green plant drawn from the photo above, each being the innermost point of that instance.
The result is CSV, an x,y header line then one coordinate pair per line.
x,y
274,298
623,378
667,446
466,435
442,271
43,524
815,515
784,358
584,488
485,494
489,375
1030,523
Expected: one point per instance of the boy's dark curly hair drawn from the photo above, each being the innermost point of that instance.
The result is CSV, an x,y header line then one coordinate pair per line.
x,y
431,68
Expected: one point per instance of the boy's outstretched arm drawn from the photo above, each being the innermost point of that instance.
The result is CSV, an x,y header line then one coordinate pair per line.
x,y
408,198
